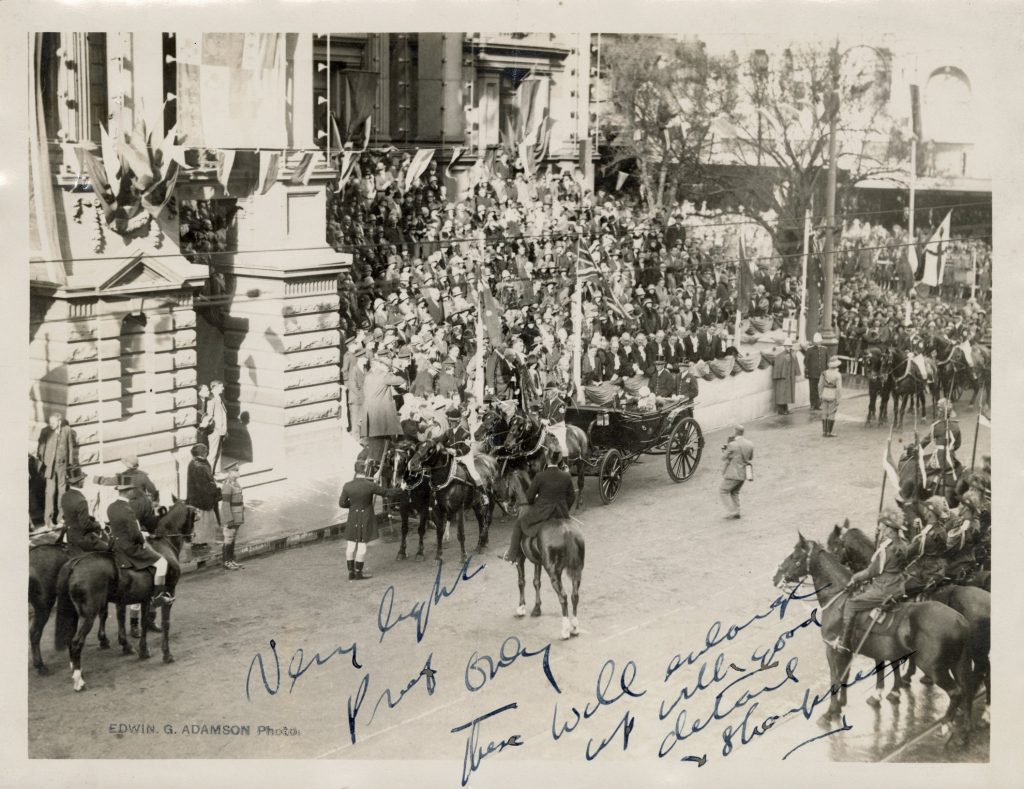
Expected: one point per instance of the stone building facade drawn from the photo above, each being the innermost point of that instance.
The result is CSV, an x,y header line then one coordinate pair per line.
x,y
125,328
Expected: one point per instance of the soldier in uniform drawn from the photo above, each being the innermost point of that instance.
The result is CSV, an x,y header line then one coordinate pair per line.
x,y
552,415
550,496
83,531
830,390
130,546
944,438
458,443
815,363
884,574
361,527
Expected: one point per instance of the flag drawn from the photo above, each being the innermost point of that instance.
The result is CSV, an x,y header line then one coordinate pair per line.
x,y
933,263
304,170
620,180
586,268
920,463
744,279
270,165
456,155
335,140
526,157
159,194
360,93
225,162
540,148
348,160
417,166
984,421
890,470
232,89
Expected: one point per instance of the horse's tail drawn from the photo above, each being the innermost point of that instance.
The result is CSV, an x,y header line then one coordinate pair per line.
x,y
575,549
67,614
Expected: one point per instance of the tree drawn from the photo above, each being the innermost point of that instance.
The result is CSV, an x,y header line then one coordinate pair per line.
x,y
779,140
665,98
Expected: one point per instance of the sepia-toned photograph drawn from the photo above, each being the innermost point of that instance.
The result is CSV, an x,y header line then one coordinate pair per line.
x,y
593,399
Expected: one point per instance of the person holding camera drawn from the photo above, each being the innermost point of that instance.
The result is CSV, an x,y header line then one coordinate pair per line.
x,y
737,454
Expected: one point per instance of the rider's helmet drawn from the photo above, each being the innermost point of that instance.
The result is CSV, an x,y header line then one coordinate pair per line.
x,y
972,501
891,520
453,414
939,506
944,407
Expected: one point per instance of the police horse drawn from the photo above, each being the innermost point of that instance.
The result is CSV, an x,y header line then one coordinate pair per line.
x,y
936,635
451,490
854,549
87,583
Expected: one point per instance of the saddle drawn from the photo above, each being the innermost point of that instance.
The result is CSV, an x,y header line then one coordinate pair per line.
x,y
883,620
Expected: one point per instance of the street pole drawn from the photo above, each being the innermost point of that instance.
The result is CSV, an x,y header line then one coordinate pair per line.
x,y
802,330
577,329
974,273
912,239
974,449
828,334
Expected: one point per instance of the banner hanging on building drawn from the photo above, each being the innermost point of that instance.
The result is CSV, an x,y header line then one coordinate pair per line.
x,y
231,90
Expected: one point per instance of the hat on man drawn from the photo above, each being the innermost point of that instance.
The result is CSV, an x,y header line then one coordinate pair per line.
x,y
834,362
200,450
453,413
816,337
124,485
230,466
130,461
788,343
75,475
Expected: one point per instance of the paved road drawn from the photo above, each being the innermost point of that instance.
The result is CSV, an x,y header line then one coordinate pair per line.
x,y
661,567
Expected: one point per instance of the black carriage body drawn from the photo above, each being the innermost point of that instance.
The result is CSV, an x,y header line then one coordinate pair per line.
x,y
618,438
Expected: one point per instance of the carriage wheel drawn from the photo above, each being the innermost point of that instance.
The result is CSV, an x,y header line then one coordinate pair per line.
x,y
610,475
685,445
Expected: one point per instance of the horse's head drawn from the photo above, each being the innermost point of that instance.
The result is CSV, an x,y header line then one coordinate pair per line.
x,y
420,458
797,565
835,541
517,428
177,522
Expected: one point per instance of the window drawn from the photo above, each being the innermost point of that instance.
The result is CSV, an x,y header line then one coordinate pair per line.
x,y
73,85
134,371
947,107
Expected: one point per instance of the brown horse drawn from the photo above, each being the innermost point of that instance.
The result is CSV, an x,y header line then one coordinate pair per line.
x,y
936,635
88,583
414,496
452,490
528,435
557,547
854,549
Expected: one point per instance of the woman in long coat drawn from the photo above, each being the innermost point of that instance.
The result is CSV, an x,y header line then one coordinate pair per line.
x,y
785,369
203,493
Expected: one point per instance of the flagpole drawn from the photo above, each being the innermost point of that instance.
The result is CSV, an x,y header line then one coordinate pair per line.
x,y
577,328
913,184
888,456
974,449
802,328
478,382
974,272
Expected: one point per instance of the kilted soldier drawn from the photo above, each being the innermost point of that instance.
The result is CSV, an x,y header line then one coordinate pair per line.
x,y
361,527
232,515
830,390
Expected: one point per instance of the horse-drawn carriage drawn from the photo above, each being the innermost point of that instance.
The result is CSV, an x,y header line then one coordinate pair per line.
x,y
617,438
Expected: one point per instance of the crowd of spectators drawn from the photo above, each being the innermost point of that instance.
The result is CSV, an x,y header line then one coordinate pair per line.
x,y
654,288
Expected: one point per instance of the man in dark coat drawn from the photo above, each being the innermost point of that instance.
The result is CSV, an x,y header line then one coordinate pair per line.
x,y
203,493
550,496
83,532
815,361
130,547
361,527
57,451
785,370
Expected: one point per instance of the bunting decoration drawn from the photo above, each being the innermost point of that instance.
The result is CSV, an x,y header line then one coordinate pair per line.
x,y
303,171
270,164
225,163
933,264
620,180
418,166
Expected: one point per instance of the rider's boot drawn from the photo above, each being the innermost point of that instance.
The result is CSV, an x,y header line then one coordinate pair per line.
x,y
134,632
845,642
351,569
824,427
151,623
161,596
361,574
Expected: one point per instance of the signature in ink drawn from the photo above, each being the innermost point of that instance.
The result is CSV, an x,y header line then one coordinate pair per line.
x,y
603,697
355,703
297,666
482,668
474,754
420,610
845,727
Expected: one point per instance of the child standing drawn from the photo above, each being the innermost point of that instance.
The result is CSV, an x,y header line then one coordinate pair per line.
x,y
232,511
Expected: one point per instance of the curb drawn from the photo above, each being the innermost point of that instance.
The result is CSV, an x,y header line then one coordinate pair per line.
x,y
262,547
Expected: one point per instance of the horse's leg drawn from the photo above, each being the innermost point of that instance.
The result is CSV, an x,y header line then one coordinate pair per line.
x,y
85,620
102,635
536,589
122,634
441,521
576,574
165,622
144,617
554,571
40,615
422,530
835,662
461,523
521,572
404,512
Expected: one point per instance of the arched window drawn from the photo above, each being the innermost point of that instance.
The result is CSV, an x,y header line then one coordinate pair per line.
x,y
947,108
134,379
